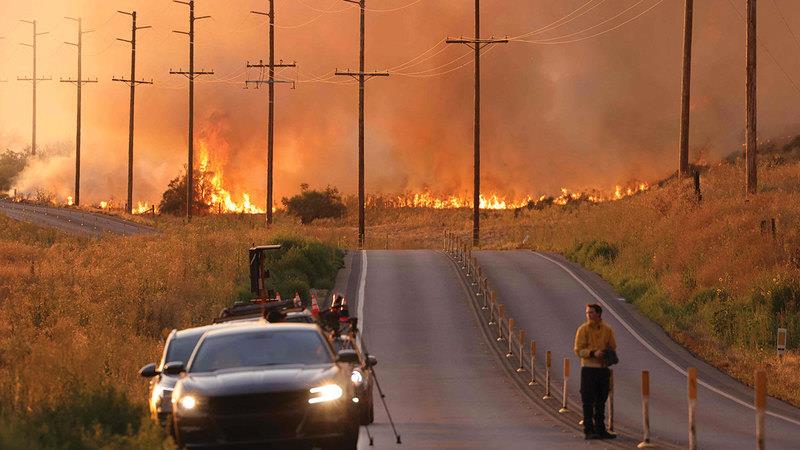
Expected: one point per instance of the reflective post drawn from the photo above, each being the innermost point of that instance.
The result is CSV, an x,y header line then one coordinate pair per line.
x,y
645,410
761,405
533,363
547,395
566,382
510,352
692,388
500,323
521,341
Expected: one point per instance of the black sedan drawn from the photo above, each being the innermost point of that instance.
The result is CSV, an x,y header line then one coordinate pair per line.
x,y
265,385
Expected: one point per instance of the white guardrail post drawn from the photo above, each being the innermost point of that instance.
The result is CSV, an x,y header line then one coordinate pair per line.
x,y
547,362
645,411
533,363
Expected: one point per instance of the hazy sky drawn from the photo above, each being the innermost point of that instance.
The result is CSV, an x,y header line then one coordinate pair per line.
x,y
592,102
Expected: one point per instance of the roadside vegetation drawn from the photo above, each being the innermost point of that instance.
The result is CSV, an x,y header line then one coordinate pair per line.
x,y
81,316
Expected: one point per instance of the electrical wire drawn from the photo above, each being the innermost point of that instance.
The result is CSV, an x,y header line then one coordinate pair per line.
x,y
483,52
415,61
346,8
769,53
785,22
601,33
560,21
393,9
442,66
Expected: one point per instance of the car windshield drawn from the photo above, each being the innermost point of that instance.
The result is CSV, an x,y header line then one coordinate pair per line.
x,y
260,348
180,348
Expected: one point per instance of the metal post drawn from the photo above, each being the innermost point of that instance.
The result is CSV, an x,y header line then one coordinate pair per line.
x,y
761,404
547,362
500,311
510,352
692,391
645,410
566,383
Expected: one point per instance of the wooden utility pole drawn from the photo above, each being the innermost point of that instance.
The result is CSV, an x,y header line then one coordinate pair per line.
x,y
33,79
271,95
361,76
750,135
79,83
683,156
190,74
132,82
477,44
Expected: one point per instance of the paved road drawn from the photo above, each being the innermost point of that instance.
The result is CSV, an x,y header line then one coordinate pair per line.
x,y
546,295
444,387
72,221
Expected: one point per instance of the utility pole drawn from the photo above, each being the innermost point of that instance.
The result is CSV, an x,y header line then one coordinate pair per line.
x,y
33,79
750,135
477,44
361,76
271,94
79,83
683,156
132,82
190,74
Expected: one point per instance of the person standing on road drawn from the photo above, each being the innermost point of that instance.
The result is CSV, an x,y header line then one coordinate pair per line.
x,y
593,340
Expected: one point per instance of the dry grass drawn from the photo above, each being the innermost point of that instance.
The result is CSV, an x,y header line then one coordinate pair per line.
x,y
79,311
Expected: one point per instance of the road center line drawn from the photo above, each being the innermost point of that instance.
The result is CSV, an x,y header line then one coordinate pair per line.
x,y
361,285
652,349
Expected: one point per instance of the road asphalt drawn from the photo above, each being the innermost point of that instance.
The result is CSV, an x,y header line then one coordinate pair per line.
x,y
546,295
443,386
71,220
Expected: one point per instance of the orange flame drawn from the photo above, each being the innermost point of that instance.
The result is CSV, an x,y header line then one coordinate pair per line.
x,y
221,200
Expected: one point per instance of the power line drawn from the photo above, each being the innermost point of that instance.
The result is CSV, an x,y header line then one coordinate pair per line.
x,y
270,81
33,79
477,44
132,82
555,41
562,20
362,76
79,82
190,75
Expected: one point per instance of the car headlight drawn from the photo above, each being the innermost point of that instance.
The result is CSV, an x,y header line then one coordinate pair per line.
x,y
325,393
188,403
357,378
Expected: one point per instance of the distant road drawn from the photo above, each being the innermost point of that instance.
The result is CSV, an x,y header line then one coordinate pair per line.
x,y
444,387
545,294
72,221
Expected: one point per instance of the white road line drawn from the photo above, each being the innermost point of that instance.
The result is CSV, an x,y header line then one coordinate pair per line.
x,y
653,350
361,285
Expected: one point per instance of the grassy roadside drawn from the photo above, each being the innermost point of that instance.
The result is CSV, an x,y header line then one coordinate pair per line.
x,y
707,271
81,316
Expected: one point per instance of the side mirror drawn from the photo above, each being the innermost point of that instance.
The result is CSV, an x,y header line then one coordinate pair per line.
x,y
148,371
372,361
348,356
174,368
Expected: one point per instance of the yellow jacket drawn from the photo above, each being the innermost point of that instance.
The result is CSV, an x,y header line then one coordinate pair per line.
x,y
592,337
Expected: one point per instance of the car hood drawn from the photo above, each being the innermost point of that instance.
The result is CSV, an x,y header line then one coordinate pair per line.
x,y
249,380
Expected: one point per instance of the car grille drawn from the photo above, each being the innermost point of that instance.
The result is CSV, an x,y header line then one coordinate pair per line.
x,y
259,416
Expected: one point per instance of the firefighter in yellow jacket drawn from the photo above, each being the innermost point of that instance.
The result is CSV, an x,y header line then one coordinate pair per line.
x,y
592,339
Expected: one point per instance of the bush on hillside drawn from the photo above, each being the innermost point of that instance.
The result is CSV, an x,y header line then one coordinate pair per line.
x,y
311,205
173,200
11,164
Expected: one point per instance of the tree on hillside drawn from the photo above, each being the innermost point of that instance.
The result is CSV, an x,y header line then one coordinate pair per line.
x,y
173,201
310,205
11,164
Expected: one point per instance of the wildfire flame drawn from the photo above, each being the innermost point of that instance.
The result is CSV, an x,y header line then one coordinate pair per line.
x,y
70,201
142,208
221,200
426,199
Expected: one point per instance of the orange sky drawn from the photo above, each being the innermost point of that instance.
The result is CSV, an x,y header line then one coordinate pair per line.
x,y
589,113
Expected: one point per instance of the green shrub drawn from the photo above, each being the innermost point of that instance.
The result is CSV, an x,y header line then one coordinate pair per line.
x,y
11,164
311,205
586,253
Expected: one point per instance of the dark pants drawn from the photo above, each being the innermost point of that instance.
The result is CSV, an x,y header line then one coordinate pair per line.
x,y
594,393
